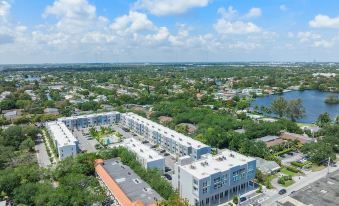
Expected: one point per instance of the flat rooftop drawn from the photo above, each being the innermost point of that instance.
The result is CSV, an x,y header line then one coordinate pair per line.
x,y
88,116
224,161
61,133
178,137
130,183
321,192
142,150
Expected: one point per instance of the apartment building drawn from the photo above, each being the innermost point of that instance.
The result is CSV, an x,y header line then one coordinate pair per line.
x,y
65,142
170,140
91,120
214,180
148,157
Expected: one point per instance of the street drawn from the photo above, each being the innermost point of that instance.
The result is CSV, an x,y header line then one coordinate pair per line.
x,y
41,152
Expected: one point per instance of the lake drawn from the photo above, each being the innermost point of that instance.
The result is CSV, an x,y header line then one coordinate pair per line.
x,y
313,101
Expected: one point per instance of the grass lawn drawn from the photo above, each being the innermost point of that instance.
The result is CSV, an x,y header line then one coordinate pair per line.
x,y
316,167
305,124
287,172
288,183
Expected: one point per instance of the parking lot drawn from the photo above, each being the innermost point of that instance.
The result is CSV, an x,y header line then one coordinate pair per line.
x,y
86,143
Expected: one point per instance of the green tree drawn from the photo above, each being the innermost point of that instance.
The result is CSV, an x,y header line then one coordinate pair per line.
x,y
279,106
323,119
295,109
27,144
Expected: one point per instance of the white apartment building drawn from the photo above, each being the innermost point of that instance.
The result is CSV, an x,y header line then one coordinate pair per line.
x,y
91,120
214,180
148,157
170,140
65,142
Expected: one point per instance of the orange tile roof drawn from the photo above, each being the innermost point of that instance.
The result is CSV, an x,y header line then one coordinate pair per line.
x,y
114,187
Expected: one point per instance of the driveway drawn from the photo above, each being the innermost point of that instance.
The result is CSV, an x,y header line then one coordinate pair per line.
x,y
41,153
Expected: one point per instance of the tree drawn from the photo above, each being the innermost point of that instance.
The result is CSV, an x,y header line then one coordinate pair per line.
x,y
323,119
279,106
235,200
28,144
295,109
174,200
319,152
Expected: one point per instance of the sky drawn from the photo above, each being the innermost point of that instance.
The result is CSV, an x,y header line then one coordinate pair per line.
x,y
117,31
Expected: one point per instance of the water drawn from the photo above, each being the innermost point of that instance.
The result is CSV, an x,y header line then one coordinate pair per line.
x,y
313,102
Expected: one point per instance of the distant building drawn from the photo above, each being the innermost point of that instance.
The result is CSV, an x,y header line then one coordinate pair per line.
x,y
249,91
292,136
327,75
170,140
31,94
123,186
271,141
12,114
267,167
147,157
91,120
65,142
100,98
4,94
214,180
54,111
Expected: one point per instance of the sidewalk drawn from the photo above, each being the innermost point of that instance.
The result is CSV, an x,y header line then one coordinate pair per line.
x,y
45,138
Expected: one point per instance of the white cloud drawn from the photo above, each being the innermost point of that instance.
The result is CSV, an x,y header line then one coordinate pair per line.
x,y
283,7
229,23
323,43
229,14
323,21
254,12
4,8
75,15
307,36
131,23
169,7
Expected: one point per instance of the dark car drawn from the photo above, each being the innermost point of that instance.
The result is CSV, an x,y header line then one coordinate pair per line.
x,y
166,154
243,199
167,169
282,191
168,176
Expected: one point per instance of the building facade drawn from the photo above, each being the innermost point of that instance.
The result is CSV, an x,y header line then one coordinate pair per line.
x,y
173,142
148,157
91,120
214,180
65,142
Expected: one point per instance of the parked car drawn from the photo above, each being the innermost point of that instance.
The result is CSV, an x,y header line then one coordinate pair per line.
x,y
166,154
168,176
167,169
243,199
282,191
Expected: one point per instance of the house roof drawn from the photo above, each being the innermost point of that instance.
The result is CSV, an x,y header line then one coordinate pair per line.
x,y
266,166
126,186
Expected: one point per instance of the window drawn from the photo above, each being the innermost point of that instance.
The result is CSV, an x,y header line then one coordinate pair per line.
x,y
204,190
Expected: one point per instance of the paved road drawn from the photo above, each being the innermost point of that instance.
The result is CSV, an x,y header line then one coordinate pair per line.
x,y
41,152
273,195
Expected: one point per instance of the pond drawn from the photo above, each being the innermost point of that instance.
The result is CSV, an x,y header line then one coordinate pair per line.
x,y
313,101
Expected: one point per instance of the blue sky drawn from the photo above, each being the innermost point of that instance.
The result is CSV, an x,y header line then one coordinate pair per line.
x,y
66,31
